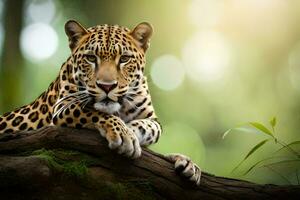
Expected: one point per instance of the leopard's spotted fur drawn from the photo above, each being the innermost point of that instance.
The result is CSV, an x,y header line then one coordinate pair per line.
x,y
100,86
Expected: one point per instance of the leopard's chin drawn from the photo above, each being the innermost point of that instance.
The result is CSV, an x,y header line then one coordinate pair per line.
x,y
107,106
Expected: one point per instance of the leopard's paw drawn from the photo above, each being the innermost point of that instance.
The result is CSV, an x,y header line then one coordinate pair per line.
x,y
185,167
126,143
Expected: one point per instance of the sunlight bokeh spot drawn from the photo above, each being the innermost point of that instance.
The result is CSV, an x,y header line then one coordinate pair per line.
x,y
41,11
206,56
167,72
38,41
205,13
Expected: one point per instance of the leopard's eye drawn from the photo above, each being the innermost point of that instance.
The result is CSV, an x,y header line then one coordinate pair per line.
x,y
91,58
124,58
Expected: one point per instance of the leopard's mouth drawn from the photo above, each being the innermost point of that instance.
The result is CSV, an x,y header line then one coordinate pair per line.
x,y
106,101
107,105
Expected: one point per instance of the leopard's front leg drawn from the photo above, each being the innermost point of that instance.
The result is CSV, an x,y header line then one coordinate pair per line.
x,y
147,130
118,135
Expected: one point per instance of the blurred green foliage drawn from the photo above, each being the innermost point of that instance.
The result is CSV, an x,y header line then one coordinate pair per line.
x,y
247,68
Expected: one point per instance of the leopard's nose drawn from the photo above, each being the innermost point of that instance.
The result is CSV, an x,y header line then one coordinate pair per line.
x,y
107,86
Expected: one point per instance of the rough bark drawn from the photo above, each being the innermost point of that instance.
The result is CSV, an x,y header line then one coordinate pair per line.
x,y
80,166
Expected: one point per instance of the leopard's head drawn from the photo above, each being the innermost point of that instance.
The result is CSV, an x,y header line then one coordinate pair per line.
x,y
107,60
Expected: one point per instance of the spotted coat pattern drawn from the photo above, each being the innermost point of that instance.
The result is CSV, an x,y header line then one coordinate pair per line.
x,y
70,100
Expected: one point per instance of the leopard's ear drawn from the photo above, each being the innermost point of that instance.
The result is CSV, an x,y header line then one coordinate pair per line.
x,y
142,34
75,31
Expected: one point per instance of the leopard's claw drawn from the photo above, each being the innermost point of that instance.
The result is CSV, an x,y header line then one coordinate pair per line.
x,y
184,166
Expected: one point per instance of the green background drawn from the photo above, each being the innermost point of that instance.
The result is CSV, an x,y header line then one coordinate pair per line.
x,y
236,61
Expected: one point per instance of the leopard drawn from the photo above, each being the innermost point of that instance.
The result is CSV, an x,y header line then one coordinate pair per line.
x,y
102,86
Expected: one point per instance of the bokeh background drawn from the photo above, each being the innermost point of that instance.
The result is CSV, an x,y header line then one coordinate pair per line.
x,y
212,65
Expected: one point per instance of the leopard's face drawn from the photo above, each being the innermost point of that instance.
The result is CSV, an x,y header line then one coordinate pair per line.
x,y
107,62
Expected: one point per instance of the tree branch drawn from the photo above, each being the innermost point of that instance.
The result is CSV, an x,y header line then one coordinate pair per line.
x,y
151,175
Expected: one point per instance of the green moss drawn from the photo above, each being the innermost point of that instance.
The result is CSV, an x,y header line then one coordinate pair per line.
x,y
139,190
78,169
75,164
61,161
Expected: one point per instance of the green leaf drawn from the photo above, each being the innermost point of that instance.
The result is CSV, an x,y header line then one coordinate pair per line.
x,y
252,167
239,128
297,142
279,174
258,162
261,127
289,145
273,122
226,133
282,162
255,148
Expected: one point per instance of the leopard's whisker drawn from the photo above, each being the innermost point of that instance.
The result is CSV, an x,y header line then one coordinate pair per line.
x,y
65,107
130,94
75,100
66,99
86,102
68,96
130,103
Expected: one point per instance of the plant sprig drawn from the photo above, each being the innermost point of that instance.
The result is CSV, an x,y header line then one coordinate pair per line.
x,y
271,136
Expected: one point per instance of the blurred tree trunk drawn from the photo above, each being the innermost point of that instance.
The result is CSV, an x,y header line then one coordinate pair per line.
x,y
11,67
